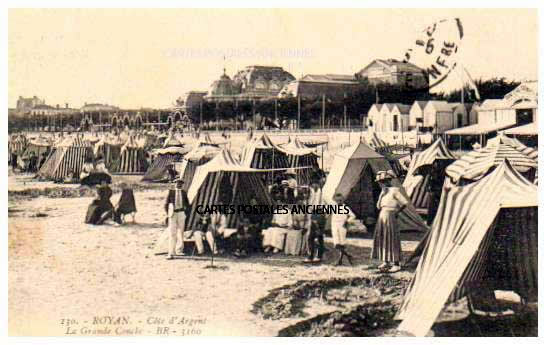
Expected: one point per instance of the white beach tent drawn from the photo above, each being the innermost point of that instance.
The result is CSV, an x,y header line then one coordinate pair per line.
x,y
354,177
458,249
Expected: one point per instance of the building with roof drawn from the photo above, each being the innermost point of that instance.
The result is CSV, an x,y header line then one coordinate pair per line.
x,y
394,72
96,107
518,109
252,82
311,86
438,116
388,117
25,105
416,114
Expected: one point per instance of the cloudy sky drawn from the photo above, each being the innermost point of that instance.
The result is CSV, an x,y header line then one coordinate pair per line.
x,y
142,57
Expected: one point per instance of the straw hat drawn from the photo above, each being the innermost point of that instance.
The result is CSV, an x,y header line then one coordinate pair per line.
x,y
384,175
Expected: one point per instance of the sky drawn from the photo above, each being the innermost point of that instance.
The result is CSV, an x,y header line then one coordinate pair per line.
x,y
136,58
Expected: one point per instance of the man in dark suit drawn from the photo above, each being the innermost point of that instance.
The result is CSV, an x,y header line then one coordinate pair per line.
x,y
177,207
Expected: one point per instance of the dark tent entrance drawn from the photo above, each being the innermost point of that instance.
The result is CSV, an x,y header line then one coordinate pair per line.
x,y
361,198
510,262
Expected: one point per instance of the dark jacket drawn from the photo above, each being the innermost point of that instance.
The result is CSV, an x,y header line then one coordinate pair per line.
x,y
185,201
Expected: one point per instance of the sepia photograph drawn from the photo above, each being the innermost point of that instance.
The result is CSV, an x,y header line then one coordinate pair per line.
x,y
272,172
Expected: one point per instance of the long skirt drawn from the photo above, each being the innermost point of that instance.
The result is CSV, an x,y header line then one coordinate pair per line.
x,y
386,238
98,212
274,237
126,203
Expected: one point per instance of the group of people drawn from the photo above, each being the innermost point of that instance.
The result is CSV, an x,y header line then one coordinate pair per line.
x,y
102,211
287,232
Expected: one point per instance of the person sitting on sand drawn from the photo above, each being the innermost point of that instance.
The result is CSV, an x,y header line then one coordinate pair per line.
x,y
101,209
126,204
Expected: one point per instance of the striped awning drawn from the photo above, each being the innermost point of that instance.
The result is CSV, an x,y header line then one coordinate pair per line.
x,y
477,163
457,246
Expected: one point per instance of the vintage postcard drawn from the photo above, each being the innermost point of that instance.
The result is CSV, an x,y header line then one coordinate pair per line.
x,y
272,172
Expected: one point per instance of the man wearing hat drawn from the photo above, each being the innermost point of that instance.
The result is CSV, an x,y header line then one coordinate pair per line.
x,y
177,207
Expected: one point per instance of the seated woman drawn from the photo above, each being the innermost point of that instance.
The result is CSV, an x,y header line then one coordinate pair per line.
x,y
101,209
294,238
274,236
126,204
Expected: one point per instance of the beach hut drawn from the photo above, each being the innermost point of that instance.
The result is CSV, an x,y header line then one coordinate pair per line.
x,y
67,158
354,177
480,227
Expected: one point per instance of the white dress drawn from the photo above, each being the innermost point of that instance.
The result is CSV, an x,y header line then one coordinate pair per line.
x,y
339,229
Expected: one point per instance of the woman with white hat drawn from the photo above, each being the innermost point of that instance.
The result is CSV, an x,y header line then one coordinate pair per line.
x,y
386,241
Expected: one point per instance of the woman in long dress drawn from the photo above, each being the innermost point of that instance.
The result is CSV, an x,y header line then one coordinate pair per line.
x,y
386,241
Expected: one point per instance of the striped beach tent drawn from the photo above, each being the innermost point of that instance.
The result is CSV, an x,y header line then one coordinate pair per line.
x,y
109,148
301,156
161,160
415,182
262,153
478,163
67,157
17,144
39,146
132,159
354,177
224,181
484,238
193,159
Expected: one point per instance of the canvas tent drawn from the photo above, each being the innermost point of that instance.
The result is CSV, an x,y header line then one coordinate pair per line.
x,y
193,159
469,242
415,182
478,163
109,147
132,159
262,153
162,158
66,157
354,177
223,180
38,146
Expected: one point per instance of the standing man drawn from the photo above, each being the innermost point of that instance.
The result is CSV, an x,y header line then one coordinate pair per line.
x,y
177,207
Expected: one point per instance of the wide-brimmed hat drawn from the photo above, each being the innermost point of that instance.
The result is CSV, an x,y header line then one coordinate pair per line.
x,y
385,175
